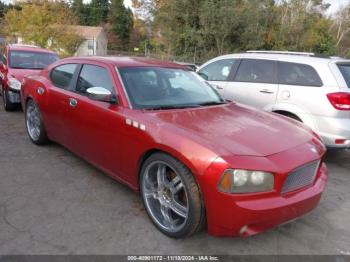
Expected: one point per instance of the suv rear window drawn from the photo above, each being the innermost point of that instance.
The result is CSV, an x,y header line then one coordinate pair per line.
x,y
345,71
298,74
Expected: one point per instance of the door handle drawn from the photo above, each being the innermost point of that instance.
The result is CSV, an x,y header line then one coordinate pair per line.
x,y
266,91
218,87
73,102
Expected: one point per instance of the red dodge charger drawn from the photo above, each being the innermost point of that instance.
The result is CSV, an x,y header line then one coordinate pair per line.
x,y
196,159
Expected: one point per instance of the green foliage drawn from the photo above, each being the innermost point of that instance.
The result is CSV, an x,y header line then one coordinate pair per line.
x,y
45,24
201,29
94,13
98,12
121,21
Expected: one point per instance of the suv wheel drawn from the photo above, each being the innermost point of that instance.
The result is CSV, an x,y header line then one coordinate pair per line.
x,y
171,196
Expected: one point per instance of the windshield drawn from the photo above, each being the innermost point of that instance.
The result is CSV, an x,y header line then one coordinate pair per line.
x,y
166,88
31,60
345,71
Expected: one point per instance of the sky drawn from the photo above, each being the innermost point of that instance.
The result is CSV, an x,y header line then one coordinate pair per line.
x,y
336,4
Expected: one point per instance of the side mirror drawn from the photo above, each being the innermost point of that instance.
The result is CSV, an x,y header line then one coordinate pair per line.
x,y
100,94
204,76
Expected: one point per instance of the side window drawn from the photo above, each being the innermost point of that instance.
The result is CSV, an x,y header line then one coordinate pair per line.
x,y
298,74
62,75
3,59
256,71
218,71
94,76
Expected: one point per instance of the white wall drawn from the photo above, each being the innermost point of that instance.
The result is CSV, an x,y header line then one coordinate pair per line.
x,y
99,46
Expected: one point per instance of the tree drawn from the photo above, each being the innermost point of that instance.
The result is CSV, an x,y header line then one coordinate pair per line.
x,y
121,22
97,12
46,24
81,11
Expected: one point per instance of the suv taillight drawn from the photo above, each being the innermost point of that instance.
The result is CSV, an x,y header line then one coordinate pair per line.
x,y
340,101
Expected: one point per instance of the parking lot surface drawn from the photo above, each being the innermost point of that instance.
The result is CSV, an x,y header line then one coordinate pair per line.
x,y
52,202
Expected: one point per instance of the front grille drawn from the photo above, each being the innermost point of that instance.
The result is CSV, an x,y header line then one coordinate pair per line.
x,y
301,177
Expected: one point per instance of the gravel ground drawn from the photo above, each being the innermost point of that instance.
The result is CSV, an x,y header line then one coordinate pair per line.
x,y
52,202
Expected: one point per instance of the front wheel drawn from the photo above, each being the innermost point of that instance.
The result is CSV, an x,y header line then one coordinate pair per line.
x,y
8,105
171,196
34,124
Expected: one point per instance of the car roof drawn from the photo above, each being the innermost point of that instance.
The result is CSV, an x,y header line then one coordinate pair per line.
x,y
297,58
126,61
32,48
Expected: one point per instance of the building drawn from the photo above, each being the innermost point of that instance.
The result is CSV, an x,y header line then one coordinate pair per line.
x,y
95,40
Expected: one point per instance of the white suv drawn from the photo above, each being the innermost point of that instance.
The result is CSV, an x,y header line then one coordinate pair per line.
x,y
311,89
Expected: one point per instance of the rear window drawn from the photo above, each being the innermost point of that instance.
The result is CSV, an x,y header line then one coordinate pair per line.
x,y
298,74
345,71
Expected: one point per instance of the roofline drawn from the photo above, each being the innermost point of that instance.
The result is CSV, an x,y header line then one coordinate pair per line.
x,y
281,52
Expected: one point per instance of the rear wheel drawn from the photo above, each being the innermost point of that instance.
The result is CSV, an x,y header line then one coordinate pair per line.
x,y
171,196
34,124
8,105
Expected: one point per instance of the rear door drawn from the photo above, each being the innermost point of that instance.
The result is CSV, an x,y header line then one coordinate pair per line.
x,y
218,72
254,83
301,86
56,116
95,127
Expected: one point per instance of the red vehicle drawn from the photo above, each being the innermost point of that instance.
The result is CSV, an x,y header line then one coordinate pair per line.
x,y
162,130
16,61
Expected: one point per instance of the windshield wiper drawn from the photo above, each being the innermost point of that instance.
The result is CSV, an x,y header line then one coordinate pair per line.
x,y
212,103
171,107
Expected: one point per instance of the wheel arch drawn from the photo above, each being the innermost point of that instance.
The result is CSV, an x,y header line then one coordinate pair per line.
x,y
289,114
169,152
295,112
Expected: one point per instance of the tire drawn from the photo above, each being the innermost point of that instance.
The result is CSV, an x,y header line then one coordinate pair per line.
x,y
171,196
34,124
8,106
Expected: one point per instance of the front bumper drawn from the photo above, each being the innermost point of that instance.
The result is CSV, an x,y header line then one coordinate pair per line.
x,y
250,217
248,214
14,96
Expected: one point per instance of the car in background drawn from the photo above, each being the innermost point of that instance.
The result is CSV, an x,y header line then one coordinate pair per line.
x,y
189,66
313,90
160,129
16,61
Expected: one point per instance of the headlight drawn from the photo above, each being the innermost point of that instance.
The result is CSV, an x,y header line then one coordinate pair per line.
x,y
245,181
14,84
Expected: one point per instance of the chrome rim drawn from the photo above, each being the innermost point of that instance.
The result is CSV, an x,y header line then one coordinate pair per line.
x,y
165,196
33,121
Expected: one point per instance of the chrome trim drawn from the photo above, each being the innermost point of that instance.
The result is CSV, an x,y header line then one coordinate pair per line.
x,y
40,90
297,179
123,86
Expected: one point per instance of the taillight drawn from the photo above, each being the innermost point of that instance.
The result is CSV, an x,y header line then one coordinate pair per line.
x,y
340,101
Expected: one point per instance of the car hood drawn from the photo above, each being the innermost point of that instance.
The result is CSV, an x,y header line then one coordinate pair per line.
x,y
19,74
234,129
